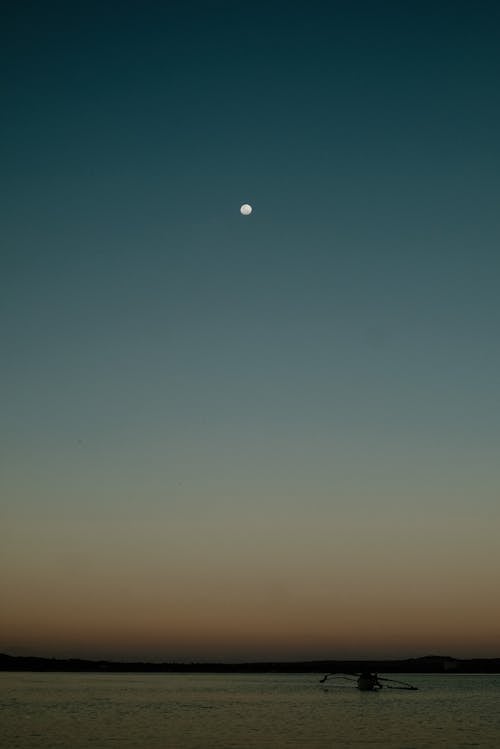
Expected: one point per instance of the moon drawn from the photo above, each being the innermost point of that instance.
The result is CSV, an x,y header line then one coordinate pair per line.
x,y
246,209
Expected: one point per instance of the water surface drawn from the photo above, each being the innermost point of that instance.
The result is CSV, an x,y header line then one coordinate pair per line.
x,y
220,711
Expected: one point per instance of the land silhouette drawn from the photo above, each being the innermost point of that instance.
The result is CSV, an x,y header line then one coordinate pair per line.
x,y
427,664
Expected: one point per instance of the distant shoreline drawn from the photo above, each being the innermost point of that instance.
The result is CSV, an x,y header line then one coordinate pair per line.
x,y
427,664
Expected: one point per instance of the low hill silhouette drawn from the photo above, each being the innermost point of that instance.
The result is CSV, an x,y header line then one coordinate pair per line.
x,y
427,664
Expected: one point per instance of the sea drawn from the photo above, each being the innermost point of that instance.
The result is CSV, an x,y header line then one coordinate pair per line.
x,y
244,711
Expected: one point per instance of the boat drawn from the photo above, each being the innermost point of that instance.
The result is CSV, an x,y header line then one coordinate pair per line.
x,y
367,681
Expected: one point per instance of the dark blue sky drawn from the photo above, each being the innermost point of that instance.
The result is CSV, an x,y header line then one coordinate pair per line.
x,y
336,349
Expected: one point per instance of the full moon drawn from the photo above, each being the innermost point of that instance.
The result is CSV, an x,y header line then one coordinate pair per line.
x,y
246,209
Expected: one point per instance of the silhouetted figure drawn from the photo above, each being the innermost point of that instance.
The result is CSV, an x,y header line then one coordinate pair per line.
x,y
367,682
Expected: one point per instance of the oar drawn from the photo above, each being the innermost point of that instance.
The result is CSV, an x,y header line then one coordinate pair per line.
x,y
401,684
337,676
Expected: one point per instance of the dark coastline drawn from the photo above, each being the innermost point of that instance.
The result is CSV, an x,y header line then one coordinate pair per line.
x,y
428,664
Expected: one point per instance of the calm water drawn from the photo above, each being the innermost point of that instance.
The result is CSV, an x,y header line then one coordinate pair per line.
x,y
205,711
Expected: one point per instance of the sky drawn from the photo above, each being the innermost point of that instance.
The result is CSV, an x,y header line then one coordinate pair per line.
x,y
263,437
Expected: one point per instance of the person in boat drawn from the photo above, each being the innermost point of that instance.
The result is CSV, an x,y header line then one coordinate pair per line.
x,y
367,682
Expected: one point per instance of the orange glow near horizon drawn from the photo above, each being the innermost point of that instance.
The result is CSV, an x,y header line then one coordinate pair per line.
x,y
245,589
257,619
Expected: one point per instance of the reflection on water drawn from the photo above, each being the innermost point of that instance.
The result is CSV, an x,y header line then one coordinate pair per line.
x,y
204,711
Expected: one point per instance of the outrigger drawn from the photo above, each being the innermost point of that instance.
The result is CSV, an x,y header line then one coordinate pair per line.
x,y
369,682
